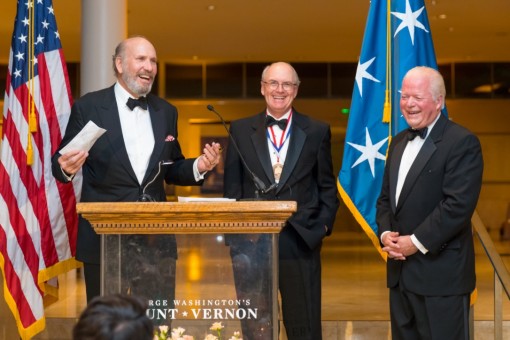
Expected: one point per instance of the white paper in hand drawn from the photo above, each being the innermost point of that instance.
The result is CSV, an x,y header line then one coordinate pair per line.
x,y
84,140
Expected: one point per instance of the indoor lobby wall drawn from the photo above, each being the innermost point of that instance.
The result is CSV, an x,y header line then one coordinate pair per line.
x,y
488,118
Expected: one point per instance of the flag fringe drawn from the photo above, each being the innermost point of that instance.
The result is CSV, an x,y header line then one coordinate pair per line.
x,y
38,326
24,333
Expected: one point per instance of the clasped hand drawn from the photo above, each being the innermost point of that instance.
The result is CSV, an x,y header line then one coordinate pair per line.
x,y
398,247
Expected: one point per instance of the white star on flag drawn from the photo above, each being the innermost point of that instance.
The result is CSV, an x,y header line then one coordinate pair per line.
x,y
40,40
20,56
22,38
369,151
361,72
409,20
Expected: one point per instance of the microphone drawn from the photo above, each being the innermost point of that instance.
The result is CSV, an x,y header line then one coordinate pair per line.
x,y
259,184
146,197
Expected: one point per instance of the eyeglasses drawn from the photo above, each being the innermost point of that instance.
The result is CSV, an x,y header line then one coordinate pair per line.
x,y
273,85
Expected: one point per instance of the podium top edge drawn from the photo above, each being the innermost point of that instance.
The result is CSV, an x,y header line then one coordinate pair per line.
x,y
206,206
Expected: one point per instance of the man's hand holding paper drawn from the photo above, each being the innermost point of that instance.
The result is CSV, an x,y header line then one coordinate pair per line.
x,y
76,152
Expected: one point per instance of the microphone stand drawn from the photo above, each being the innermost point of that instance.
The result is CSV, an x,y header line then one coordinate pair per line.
x,y
146,197
259,184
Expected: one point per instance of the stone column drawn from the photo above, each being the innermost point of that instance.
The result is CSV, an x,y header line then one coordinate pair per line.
x,y
103,26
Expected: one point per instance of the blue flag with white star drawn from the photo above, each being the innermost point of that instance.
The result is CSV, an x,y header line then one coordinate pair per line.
x,y
396,39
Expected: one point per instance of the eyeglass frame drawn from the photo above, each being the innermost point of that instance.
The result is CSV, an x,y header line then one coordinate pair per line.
x,y
286,86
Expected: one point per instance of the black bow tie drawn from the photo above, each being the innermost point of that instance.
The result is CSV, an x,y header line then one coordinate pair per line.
x,y
132,103
282,123
412,133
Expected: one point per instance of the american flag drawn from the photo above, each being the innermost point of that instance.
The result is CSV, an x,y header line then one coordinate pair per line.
x,y
397,38
38,221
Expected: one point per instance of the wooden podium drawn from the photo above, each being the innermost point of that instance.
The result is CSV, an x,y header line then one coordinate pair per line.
x,y
180,256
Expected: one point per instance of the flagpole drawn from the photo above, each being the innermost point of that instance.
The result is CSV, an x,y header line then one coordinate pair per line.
x,y
388,104
31,73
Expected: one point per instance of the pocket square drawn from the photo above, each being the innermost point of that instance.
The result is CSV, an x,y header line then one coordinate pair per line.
x,y
169,138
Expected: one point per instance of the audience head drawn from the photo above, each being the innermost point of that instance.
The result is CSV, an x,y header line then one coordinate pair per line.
x,y
114,317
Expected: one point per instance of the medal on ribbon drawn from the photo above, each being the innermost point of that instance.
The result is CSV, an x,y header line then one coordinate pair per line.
x,y
277,170
278,166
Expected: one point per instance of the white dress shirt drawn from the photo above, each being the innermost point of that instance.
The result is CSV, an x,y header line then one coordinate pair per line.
x,y
136,131
278,156
411,151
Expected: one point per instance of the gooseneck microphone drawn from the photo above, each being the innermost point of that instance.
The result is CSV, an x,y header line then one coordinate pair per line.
x,y
146,197
259,184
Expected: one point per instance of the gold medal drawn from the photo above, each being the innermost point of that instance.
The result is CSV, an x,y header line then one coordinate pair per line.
x,y
277,170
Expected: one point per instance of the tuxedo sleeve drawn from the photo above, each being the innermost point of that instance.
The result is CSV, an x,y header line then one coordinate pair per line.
x,y
460,187
327,184
383,205
74,126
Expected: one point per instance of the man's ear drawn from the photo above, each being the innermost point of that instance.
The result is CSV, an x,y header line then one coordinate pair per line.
x,y
118,65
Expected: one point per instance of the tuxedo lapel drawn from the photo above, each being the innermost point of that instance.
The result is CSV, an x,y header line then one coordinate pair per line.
x,y
427,150
296,143
158,129
394,167
109,116
259,140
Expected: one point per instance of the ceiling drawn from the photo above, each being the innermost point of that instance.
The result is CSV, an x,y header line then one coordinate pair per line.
x,y
291,30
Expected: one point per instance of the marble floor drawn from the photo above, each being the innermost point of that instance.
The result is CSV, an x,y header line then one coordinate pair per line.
x,y
354,295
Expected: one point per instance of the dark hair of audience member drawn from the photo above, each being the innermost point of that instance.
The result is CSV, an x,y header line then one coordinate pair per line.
x,y
114,317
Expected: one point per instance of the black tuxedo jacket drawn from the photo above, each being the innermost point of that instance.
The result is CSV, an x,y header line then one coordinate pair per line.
x,y
307,175
107,172
436,203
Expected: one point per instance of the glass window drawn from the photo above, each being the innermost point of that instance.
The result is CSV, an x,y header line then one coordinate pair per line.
x,y
342,79
501,88
314,79
446,72
224,80
473,80
3,80
183,81
253,77
73,72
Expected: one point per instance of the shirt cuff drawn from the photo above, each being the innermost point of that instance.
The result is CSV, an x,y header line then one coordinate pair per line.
x,y
382,235
196,173
69,178
418,244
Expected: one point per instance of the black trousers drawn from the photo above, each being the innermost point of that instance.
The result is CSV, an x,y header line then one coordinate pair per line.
x,y
417,317
299,284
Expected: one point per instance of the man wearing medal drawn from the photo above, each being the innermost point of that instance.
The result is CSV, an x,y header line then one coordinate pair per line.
x,y
292,153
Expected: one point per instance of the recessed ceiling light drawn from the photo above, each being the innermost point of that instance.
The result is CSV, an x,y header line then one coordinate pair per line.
x,y
211,8
442,16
